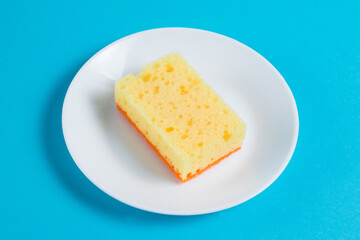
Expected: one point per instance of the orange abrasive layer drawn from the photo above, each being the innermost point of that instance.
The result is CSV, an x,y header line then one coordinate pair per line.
x,y
189,176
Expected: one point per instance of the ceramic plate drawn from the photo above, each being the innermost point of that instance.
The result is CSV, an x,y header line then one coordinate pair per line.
x,y
110,152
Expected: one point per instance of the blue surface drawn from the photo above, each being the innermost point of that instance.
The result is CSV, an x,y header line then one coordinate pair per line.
x,y
314,44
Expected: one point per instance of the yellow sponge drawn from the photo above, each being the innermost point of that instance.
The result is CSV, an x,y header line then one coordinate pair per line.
x,y
182,117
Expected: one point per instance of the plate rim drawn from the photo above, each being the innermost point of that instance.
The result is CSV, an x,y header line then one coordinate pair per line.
x,y
188,212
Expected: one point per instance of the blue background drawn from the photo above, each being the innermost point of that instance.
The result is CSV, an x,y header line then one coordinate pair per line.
x,y
314,44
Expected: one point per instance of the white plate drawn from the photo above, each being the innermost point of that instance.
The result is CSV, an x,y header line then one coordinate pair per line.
x,y
110,152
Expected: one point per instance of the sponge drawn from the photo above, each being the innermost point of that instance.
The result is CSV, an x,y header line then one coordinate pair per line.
x,y
181,117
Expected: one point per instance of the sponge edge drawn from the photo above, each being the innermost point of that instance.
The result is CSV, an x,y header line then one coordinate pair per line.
x,y
181,116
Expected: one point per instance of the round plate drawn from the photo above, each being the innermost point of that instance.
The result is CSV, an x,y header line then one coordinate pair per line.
x,y
110,152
